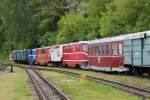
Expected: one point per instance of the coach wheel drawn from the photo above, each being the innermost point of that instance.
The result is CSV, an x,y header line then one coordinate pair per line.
x,y
45,64
134,72
140,72
149,74
65,65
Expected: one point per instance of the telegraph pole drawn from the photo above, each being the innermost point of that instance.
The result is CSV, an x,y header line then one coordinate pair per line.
x,y
11,56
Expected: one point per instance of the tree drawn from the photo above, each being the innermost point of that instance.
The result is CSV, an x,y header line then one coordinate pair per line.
x,y
73,27
124,16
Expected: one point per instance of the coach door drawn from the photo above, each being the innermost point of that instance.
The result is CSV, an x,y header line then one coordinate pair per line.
x,y
137,52
146,52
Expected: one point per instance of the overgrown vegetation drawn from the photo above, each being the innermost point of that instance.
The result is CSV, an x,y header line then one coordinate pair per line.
x,y
14,86
34,23
91,90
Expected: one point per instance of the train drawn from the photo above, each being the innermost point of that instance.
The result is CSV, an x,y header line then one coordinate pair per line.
x,y
124,53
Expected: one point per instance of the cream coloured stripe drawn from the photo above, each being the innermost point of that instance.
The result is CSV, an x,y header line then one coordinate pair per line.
x,y
75,60
77,53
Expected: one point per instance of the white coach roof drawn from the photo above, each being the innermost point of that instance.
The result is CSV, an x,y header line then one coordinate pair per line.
x,y
122,37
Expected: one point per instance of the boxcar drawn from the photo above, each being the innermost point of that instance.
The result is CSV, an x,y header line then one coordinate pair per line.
x,y
107,54
43,55
76,55
31,56
20,56
14,55
137,52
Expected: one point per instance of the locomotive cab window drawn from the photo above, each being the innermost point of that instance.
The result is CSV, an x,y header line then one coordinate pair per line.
x,y
42,51
96,50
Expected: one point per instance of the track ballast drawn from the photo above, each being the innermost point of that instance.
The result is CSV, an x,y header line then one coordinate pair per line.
x,y
44,89
3,66
138,91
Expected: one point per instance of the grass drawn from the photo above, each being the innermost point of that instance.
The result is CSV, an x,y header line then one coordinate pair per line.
x,y
130,80
90,91
4,58
14,86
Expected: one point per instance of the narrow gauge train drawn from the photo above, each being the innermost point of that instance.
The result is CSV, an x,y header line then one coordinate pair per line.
x,y
24,56
107,54
75,54
129,52
43,56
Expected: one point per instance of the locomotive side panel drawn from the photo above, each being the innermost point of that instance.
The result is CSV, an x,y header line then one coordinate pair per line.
x,y
43,56
75,55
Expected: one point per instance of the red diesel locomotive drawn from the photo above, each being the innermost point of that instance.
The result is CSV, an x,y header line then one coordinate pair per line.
x,y
75,54
43,56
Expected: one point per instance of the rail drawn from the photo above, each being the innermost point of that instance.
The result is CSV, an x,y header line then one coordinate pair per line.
x,y
3,66
44,88
137,91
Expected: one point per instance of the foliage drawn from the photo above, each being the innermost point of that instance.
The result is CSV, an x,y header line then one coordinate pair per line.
x,y
124,16
73,27
34,23
48,38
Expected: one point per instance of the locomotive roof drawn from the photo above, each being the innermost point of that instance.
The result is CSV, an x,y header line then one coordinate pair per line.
x,y
44,47
80,42
122,37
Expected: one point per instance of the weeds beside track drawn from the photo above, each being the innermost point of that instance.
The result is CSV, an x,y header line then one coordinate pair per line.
x,y
137,91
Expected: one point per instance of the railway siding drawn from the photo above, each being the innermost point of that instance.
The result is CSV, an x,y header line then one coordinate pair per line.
x,y
139,82
91,90
135,90
45,89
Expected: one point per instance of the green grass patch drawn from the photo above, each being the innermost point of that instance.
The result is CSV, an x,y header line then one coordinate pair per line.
x,y
140,82
4,58
90,91
14,86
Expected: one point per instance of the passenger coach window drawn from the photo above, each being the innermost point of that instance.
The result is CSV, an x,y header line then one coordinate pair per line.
x,y
120,49
114,49
105,49
100,50
109,49
85,48
96,49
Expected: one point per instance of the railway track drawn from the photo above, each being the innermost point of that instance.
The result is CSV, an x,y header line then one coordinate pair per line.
x,y
137,91
3,66
44,89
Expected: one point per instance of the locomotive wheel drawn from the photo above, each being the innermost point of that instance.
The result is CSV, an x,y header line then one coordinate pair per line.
x,y
45,64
